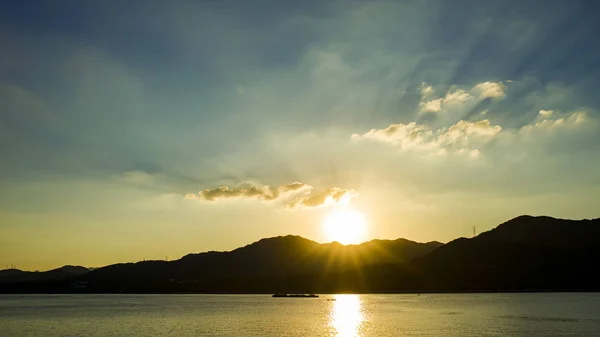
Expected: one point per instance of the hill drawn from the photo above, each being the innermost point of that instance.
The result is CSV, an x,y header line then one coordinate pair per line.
x,y
524,254
16,275
265,263
261,263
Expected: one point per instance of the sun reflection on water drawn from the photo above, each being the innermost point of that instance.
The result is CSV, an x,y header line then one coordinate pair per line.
x,y
346,315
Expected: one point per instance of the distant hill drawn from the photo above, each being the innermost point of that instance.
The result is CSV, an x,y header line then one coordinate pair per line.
x,y
16,275
525,253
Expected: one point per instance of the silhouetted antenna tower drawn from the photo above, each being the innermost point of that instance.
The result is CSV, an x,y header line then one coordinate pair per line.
x,y
474,232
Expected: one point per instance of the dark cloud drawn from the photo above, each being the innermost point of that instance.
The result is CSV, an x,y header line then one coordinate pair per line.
x,y
250,191
294,195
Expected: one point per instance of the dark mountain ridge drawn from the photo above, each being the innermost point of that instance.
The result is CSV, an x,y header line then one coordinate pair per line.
x,y
278,257
16,275
525,253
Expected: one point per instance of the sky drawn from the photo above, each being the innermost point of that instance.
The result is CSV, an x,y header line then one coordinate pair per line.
x,y
151,129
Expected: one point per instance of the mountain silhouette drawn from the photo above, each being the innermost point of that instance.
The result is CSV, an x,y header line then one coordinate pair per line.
x,y
16,275
278,258
524,254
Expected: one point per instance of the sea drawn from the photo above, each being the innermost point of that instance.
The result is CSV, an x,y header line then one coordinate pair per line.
x,y
517,314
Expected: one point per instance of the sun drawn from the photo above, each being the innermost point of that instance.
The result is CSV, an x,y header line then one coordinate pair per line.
x,y
346,226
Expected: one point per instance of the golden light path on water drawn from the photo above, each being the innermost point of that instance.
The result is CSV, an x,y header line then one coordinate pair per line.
x,y
346,315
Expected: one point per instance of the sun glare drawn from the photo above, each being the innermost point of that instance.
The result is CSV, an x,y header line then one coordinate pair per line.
x,y
347,315
346,226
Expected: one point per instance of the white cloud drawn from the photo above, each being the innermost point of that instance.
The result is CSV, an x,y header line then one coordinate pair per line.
x,y
404,136
549,124
426,90
457,96
463,134
545,113
490,89
432,106
460,99
467,137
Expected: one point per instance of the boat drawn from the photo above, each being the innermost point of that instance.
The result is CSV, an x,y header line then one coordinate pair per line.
x,y
295,295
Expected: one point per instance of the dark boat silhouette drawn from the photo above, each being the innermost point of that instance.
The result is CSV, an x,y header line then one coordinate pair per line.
x,y
295,295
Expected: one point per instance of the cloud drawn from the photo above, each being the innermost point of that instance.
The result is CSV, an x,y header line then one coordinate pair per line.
x,y
432,106
404,136
333,195
456,98
545,113
490,89
293,187
463,132
294,195
549,124
465,136
462,135
426,89
249,191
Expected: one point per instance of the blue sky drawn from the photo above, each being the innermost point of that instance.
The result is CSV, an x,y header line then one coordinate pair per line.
x,y
150,128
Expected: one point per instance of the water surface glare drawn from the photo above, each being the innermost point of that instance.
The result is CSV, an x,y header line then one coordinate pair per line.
x,y
537,314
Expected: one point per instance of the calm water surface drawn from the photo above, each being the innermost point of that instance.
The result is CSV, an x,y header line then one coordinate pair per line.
x,y
260,315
